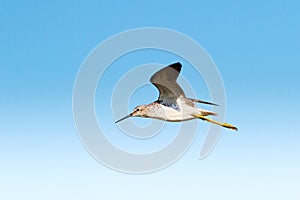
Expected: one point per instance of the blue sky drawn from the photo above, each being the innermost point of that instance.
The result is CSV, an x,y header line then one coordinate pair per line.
x,y
255,45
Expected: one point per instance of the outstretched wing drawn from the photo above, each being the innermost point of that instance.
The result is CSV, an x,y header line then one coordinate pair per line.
x,y
204,102
165,81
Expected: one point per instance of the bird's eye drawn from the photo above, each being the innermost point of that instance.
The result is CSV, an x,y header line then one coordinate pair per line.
x,y
137,109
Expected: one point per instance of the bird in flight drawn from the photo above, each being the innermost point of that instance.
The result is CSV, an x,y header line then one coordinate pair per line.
x,y
172,104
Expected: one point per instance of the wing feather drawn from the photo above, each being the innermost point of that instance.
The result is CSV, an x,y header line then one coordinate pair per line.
x,y
165,81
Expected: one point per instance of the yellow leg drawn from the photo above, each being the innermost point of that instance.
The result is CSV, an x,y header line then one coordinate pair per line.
x,y
216,122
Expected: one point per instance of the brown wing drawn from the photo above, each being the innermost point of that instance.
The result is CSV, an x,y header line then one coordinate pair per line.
x,y
165,81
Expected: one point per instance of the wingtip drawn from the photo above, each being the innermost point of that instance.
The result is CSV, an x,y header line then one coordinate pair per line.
x,y
177,66
177,63
204,102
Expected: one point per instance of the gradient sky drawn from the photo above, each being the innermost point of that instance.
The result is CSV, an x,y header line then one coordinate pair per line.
x,y
256,46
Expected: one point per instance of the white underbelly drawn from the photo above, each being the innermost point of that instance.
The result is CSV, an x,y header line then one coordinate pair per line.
x,y
170,114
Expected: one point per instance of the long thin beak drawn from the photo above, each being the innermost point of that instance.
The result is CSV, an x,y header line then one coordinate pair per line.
x,y
123,118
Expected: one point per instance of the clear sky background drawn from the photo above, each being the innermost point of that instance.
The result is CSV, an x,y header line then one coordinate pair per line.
x,y
256,46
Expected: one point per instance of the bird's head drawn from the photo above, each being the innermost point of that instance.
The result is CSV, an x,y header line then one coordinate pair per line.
x,y
137,112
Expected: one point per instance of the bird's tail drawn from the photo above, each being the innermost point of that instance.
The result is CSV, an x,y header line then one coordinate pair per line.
x,y
207,112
